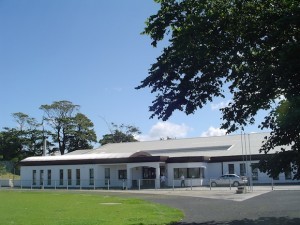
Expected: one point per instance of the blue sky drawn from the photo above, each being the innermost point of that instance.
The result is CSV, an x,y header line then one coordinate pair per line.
x,y
90,53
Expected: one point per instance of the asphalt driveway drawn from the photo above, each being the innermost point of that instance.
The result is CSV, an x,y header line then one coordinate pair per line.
x,y
274,208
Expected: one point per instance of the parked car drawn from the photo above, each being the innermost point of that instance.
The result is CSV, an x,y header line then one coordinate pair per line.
x,y
229,179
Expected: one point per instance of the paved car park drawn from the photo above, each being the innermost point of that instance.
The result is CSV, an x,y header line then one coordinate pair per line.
x,y
222,206
275,207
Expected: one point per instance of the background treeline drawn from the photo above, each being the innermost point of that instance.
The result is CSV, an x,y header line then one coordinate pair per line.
x,y
62,129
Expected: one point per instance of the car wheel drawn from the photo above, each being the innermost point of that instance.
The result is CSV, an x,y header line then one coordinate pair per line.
x,y
235,183
213,184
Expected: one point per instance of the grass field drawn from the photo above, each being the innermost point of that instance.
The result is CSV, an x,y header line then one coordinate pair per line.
x,y
78,208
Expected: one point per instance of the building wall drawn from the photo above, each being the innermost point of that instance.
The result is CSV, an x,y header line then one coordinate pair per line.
x,y
175,181
134,172
214,170
256,176
27,175
114,180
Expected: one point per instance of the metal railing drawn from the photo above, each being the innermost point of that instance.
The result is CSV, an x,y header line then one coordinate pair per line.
x,y
136,184
108,184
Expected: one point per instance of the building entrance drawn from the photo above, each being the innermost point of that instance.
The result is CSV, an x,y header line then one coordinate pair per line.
x,y
149,176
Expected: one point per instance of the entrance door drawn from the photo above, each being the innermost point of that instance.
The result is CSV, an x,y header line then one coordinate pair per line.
x,y
149,176
162,170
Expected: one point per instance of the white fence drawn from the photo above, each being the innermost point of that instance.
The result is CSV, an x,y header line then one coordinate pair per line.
x,y
138,184
100,184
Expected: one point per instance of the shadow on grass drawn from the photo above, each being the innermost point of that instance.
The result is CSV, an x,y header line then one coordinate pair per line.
x,y
259,221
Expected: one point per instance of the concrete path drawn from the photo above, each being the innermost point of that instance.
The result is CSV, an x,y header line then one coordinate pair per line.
x,y
215,194
224,193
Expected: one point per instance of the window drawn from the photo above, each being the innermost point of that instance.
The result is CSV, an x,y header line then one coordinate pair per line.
x,y
41,177
91,172
61,177
230,168
193,172
49,177
288,175
107,175
254,171
77,176
242,169
123,174
180,171
69,177
197,172
149,173
34,177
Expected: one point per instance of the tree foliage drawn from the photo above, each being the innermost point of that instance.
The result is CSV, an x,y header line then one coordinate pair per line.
x,y
82,134
59,116
21,142
250,48
120,133
71,130
33,134
11,144
16,145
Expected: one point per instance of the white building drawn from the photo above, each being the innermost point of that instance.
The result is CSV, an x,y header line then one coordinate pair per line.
x,y
140,164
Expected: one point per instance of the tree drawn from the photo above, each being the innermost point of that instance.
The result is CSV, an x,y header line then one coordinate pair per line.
x,y
250,48
31,133
11,145
72,130
22,119
24,141
59,116
82,134
120,133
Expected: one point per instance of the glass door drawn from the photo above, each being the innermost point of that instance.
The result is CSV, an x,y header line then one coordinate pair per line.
x,y
149,176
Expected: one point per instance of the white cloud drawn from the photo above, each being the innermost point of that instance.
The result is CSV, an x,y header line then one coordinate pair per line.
x,y
219,105
164,130
212,131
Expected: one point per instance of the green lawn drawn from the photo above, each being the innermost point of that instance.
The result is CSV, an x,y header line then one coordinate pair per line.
x,y
78,208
